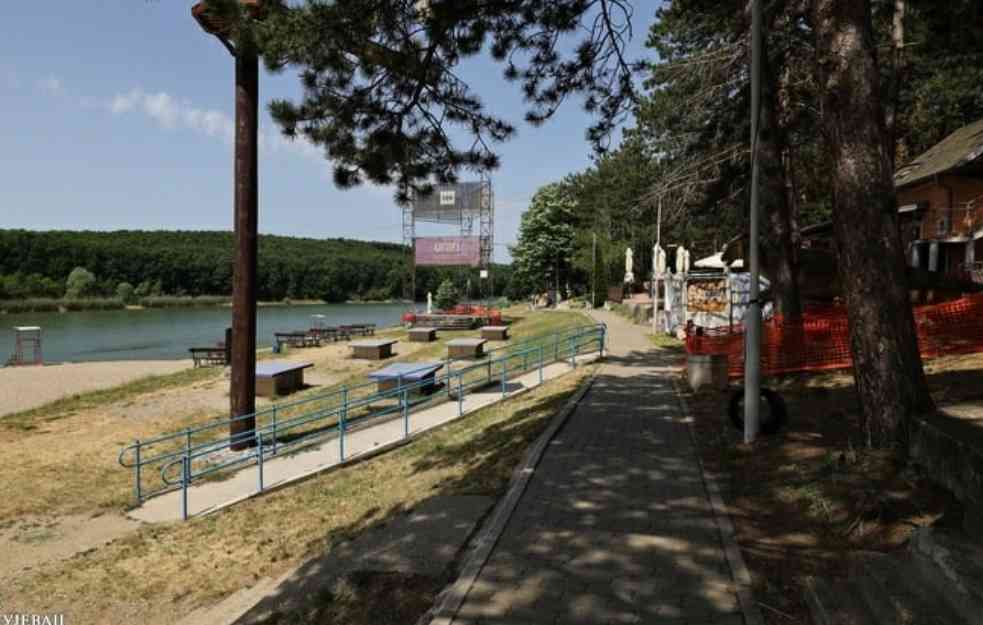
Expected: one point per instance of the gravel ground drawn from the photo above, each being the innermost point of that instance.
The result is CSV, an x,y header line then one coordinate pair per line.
x,y
23,388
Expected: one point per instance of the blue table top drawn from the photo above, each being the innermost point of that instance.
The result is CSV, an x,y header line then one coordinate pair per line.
x,y
411,371
270,369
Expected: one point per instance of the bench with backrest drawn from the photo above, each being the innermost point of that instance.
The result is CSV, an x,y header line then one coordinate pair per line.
x,y
358,329
297,339
203,356
447,322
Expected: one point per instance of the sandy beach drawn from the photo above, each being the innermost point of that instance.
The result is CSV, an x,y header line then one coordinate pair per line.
x,y
23,388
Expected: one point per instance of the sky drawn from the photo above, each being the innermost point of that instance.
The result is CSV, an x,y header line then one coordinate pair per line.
x,y
118,114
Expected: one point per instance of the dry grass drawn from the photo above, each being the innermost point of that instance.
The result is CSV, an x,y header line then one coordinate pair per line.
x,y
803,498
61,459
161,572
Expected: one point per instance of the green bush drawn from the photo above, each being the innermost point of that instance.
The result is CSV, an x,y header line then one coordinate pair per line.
x,y
80,282
93,303
37,304
447,295
124,292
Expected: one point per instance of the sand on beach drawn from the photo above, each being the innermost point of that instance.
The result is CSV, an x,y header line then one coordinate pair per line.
x,y
23,388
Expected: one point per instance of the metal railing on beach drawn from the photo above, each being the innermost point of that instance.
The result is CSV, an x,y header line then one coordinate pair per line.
x,y
177,460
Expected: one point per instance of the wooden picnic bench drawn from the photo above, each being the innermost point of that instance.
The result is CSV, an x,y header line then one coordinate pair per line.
x,y
495,333
358,329
203,356
280,378
374,349
466,348
297,339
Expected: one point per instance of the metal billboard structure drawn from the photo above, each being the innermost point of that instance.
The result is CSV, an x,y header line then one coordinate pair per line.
x,y
465,206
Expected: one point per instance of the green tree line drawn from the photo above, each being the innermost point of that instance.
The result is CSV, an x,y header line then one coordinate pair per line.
x,y
196,263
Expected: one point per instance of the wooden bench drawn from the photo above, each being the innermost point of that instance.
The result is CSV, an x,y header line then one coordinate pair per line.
x,y
203,356
422,335
358,329
373,350
297,339
466,348
447,322
280,378
495,333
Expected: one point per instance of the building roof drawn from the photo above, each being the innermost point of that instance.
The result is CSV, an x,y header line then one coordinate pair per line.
x,y
962,149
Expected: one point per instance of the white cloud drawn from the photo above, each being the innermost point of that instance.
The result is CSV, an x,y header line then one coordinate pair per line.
x,y
170,113
52,85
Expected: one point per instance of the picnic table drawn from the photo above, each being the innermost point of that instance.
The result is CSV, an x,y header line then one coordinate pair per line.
x,y
407,373
423,335
495,333
358,329
466,348
298,338
280,378
374,349
202,356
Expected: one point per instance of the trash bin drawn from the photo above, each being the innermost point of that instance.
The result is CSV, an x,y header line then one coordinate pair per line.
x,y
707,371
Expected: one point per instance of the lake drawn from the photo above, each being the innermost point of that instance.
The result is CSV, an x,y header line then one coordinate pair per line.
x,y
165,334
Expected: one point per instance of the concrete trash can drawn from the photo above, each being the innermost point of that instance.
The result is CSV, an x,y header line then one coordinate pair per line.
x,y
707,370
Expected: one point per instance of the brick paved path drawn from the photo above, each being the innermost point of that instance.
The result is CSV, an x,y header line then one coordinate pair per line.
x,y
615,526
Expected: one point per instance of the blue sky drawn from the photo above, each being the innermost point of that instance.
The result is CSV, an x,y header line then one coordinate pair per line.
x,y
118,114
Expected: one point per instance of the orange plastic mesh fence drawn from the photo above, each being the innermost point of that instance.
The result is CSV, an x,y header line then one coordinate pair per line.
x,y
821,340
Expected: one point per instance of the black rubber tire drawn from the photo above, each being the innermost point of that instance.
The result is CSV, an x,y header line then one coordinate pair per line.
x,y
777,413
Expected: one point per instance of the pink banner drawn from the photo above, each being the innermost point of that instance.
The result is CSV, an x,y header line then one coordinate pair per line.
x,y
448,251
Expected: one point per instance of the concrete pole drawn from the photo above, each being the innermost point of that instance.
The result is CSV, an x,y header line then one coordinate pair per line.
x,y
752,324
655,268
593,271
242,392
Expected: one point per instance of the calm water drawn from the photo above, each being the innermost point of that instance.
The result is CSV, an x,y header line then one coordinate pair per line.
x,y
167,334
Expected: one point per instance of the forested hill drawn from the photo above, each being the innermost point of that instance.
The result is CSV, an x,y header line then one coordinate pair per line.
x,y
36,264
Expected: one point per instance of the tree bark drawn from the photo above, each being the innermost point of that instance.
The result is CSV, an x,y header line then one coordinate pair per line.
x,y
888,369
242,390
777,244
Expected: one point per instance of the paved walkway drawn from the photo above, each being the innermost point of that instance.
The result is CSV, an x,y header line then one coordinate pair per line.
x,y
615,526
208,496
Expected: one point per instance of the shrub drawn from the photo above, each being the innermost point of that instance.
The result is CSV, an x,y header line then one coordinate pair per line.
x,y
80,283
447,295
124,292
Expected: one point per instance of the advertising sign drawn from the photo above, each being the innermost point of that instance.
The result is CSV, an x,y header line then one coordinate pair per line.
x,y
448,251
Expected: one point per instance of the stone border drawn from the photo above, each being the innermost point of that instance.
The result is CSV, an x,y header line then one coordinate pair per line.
x,y
732,551
450,601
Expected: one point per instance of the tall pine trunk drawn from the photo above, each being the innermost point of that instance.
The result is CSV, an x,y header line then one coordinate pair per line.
x,y
887,365
777,243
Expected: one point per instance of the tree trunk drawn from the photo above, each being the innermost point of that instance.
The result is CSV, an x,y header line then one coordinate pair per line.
x,y
888,370
897,68
779,251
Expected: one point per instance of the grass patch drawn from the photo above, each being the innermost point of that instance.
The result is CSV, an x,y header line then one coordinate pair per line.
x,y
178,301
663,341
28,420
171,569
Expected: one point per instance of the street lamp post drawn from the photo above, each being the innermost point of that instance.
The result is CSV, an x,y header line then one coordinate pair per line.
x,y
242,391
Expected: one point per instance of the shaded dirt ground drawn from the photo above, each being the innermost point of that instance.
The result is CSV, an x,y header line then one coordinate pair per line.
x,y
804,497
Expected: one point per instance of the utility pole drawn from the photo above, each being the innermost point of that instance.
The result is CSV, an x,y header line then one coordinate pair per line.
x,y
752,323
242,386
593,271
655,267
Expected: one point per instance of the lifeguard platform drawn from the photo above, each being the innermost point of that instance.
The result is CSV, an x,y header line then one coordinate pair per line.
x,y
27,346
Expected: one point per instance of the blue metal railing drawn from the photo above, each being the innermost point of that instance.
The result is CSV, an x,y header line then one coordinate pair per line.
x,y
182,458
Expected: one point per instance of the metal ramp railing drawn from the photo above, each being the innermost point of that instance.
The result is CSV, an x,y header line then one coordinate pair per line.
x,y
177,460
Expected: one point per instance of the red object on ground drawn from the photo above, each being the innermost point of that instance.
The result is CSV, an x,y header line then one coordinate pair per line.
x,y
821,341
